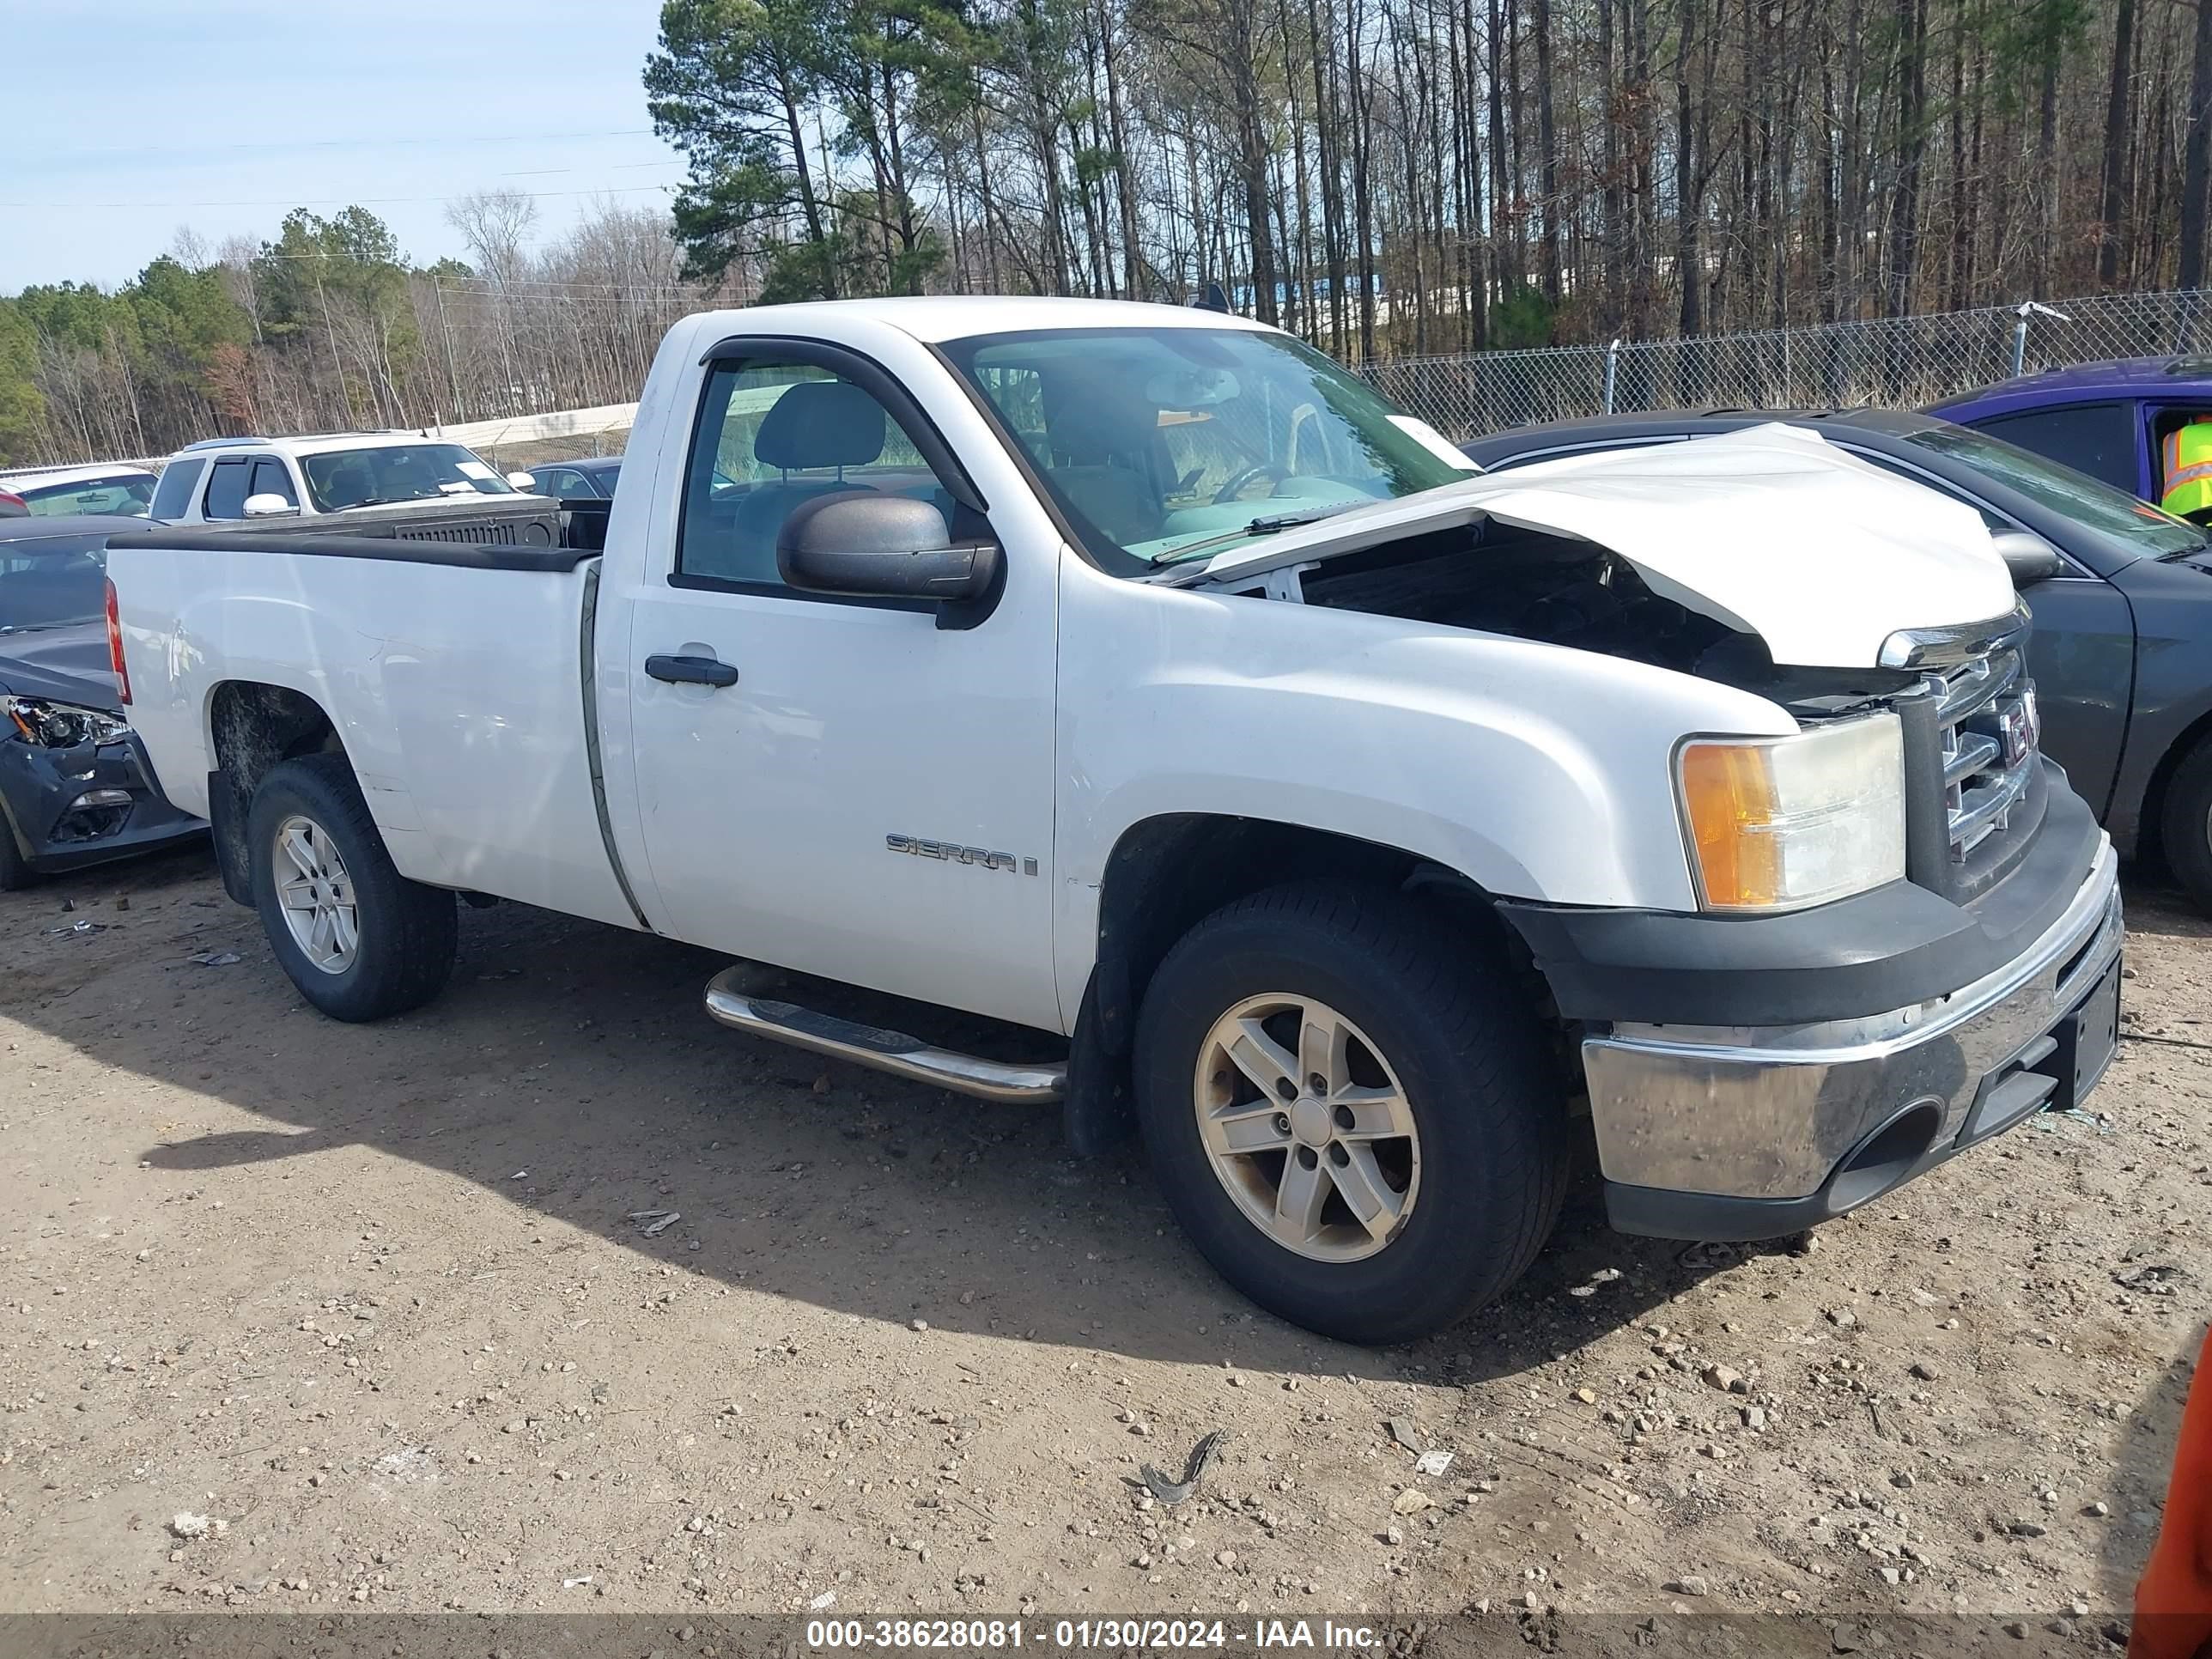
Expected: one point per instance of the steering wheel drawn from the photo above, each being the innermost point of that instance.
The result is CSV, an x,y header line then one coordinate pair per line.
x,y
1263,469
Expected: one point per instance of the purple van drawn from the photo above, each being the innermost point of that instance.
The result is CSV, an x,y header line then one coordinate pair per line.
x,y
2107,419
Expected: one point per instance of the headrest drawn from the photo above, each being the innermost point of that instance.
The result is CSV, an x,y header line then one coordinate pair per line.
x,y
820,424
1092,431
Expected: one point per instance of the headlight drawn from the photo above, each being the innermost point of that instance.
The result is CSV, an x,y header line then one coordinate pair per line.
x,y
58,724
1776,824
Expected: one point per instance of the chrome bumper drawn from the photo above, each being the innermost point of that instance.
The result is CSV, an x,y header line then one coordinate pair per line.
x,y
1769,1113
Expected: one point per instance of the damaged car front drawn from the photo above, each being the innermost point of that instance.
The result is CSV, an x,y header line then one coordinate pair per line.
x,y
75,786
1901,932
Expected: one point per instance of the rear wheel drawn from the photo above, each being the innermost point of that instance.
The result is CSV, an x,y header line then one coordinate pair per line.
x,y
1350,1110
2185,830
358,939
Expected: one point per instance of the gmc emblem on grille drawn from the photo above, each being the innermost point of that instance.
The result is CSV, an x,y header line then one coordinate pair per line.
x,y
2017,727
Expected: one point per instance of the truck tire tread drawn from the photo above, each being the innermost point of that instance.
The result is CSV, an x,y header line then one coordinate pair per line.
x,y
410,933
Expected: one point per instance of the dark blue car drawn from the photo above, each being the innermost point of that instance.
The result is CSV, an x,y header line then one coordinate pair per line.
x,y
2107,419
591,478
75,786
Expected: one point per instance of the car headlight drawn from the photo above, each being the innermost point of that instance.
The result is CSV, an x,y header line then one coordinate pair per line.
x,y
53,724
1778,823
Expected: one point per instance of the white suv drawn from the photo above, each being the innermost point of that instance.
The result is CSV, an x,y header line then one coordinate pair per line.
x,y
224,479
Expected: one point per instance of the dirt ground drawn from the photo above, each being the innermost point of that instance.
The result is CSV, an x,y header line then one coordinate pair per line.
x,y
369,1304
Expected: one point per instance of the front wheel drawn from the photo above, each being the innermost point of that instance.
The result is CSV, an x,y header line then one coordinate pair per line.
x,y
14,871
1350,1110
359,940
2185,830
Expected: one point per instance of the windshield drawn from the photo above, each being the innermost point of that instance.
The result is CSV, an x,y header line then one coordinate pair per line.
x,y
53,582
125,494
2139,528
1154,440
397,472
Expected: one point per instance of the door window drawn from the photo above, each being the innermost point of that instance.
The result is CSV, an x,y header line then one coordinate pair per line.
x,y
227,491
272,477
771,437
173,497
562,481
2098,439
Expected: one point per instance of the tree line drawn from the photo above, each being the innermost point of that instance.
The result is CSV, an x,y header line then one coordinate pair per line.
x,y
328,327
1390,178
1415,176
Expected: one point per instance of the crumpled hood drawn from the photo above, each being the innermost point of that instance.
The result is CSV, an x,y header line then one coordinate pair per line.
x,y
68,664
1772,530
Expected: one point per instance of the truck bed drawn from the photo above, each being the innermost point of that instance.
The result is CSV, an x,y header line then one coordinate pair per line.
x,y
471,742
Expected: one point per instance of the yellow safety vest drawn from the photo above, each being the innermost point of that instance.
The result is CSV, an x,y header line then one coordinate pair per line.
x,y
2188,455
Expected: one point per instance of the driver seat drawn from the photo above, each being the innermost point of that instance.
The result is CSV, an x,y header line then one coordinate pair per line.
x,y
350,485
1097,477
815,426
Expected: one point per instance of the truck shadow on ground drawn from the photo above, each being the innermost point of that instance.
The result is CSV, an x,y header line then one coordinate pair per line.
x,y
570,1069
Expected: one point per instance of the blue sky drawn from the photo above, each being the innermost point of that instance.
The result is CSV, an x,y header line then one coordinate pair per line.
x,y
126,119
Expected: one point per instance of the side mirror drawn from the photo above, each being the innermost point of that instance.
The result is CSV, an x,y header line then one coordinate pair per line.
x,y
890,547
2029,557
522,480
271,505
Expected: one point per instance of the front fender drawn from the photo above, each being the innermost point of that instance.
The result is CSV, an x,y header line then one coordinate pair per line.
x,y
1536,771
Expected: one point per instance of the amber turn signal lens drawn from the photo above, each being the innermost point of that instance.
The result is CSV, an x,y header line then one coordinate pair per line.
x,y
1728,795
1780,822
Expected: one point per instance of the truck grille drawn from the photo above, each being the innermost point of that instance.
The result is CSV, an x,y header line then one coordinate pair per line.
x,y
1987,733
1974,784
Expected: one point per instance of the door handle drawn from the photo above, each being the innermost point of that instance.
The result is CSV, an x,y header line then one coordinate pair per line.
x,y
691,670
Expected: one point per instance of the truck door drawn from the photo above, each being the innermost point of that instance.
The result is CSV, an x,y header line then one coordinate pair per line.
x,y
834,785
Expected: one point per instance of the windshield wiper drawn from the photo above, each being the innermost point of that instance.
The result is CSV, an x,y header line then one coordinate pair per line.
x,y
387,501
1267,525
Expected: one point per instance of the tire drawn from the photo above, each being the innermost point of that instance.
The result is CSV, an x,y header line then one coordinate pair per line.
x,y
14,871
1435,1024
2185,825
404,935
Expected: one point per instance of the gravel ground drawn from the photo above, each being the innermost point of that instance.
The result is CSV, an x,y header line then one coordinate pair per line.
x,y
297,1316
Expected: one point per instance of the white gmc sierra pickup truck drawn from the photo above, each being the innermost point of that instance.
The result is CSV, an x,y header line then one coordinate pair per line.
x,y
1366,832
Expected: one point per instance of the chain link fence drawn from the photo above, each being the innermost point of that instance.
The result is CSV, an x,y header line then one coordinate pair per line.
x,y
601,343
485,355
1900,362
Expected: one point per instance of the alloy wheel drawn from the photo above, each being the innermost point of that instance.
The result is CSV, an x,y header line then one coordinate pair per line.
x,y
1307,1126
316,894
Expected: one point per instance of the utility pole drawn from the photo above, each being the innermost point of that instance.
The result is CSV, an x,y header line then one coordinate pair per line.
x,y
446,333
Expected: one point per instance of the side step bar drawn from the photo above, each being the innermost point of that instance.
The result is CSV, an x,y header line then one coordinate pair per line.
x,y
884,1051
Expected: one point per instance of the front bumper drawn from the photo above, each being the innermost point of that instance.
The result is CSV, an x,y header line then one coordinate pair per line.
x,y
1753,1132
66,808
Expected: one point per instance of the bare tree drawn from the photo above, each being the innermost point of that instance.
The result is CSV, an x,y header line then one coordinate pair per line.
x,y
496,224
